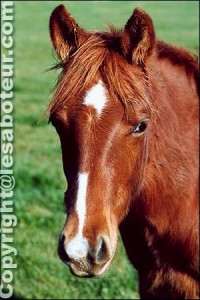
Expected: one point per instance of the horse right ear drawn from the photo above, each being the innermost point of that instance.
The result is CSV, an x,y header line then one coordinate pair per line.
x,y
66,35
138,37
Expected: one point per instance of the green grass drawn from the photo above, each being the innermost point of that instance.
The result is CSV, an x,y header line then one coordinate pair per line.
x,y
40,182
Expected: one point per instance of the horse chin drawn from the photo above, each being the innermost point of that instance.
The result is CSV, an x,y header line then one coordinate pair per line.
x,y
79,273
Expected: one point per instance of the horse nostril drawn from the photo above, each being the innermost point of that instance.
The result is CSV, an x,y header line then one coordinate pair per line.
x,y
102,253
61,250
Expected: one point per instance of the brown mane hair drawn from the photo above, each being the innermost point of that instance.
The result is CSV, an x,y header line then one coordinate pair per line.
x,y
99,54
179,56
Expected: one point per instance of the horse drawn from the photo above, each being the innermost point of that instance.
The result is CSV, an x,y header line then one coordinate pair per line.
x,y
125,108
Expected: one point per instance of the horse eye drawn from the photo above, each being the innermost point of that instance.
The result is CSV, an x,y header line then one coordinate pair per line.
x,y
139,128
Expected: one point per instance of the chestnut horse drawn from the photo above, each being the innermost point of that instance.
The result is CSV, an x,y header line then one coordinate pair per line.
x,y
126,111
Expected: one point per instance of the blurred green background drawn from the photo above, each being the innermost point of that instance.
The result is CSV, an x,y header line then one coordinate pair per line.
x,y
38,170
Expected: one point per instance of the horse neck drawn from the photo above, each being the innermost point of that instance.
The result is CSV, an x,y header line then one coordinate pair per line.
x,y
170,172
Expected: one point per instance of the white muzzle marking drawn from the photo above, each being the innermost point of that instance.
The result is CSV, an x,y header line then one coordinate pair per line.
x,y
78,248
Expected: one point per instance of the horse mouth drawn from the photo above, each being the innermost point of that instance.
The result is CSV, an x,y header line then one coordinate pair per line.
x,y
89,265
94,271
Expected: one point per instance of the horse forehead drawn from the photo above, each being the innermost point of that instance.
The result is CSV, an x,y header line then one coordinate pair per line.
x,y
96,97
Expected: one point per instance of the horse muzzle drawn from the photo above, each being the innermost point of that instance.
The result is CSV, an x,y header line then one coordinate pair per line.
x,y
83,259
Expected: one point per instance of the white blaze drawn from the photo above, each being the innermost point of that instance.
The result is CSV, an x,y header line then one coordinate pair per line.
x,y
81,200
96,97
78,247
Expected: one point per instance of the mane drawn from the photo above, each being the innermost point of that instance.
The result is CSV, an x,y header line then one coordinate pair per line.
x,y
179,56
102,54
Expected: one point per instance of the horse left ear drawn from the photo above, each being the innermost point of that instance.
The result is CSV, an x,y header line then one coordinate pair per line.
x,y
138,37
66,35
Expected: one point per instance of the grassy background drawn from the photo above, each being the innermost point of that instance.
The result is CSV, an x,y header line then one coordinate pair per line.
x,y
38,170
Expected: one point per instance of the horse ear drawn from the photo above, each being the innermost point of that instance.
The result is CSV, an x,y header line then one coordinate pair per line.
x,y
66,35
138,37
